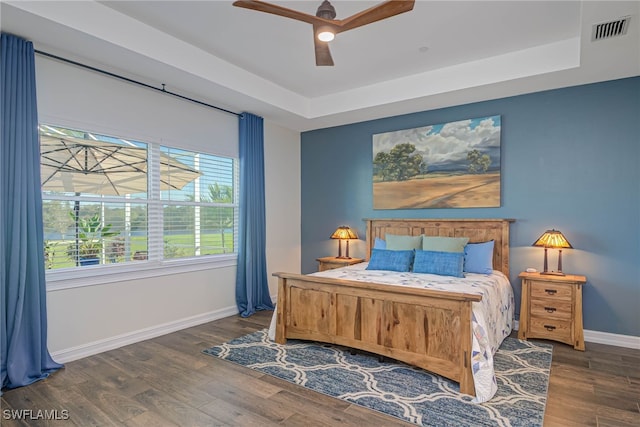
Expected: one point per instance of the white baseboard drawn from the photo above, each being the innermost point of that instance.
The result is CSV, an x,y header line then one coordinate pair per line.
x,y
618,340
628,341
95,347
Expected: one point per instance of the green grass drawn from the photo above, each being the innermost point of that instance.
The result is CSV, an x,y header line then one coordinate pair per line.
x,y
175,246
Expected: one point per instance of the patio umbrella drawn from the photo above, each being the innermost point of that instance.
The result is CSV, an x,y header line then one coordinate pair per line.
x,y
74,165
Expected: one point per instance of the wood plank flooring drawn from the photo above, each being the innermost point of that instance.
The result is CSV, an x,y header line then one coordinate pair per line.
x,y
168,381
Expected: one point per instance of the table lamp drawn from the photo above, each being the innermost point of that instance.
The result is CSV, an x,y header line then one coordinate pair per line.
x,y
555,240
344,232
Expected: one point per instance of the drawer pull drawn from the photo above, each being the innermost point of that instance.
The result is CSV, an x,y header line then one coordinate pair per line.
x,y
550,309
549,327
551,291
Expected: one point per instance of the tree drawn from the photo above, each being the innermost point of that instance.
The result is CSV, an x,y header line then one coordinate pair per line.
x,y
380,166
399,164
478,163
220,194
216,217
220,217
138,218
55,218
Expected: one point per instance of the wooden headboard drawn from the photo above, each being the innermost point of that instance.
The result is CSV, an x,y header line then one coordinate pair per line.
x,y
477,230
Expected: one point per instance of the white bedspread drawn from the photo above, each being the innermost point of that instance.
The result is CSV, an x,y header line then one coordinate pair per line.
x,y
493,317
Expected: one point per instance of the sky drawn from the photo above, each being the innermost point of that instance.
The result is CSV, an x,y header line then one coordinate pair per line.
x,y
444,147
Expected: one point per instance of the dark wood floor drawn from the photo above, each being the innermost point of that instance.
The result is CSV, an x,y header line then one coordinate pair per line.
x,y
167,381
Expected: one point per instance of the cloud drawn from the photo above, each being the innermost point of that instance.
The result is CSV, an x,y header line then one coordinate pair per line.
x,y
386,141
446,146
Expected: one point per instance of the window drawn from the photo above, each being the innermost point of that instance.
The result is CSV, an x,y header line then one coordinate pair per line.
x,y
113,201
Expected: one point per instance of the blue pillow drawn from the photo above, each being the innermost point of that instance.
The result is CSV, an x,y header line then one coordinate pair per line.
x,y
478,257
378,243
383,259
442,263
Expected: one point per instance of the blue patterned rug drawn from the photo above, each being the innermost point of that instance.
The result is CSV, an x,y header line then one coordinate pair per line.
x,y
411,394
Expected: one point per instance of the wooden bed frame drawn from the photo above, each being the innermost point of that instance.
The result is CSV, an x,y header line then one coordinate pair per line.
x,y
422,327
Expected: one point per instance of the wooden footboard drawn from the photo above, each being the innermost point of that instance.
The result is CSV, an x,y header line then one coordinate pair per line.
x,y
422,327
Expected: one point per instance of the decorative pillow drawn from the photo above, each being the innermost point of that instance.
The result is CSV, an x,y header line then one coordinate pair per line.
x,y
383,259
442,263
444,244
379,243
403,243
478,257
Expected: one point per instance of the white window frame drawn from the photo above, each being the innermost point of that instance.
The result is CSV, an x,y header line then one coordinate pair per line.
x,y
155,265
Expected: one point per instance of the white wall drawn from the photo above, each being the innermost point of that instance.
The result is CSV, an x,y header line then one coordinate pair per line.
x,y
283,192
91,319
87,320
79,98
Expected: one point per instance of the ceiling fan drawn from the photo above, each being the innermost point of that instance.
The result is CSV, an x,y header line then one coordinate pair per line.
x,y
325,26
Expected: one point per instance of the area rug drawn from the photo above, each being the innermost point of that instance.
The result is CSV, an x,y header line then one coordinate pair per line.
x,y
394,388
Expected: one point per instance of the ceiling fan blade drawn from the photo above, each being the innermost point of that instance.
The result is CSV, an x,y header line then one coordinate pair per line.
x,y
274,9
323,54
376,13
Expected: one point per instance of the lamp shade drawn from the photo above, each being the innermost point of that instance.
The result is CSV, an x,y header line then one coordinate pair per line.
x,y
344,232
553,239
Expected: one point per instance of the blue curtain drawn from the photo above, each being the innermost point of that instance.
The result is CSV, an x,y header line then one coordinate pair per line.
x,y
23,326
252,288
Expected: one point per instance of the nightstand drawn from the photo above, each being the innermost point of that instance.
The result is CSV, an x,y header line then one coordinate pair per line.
x,y
331,262
551,308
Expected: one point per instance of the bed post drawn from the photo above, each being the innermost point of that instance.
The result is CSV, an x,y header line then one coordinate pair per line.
x,y
467,385
281,337
505,246
370,239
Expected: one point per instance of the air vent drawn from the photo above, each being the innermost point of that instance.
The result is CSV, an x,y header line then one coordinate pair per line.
x,y
606,30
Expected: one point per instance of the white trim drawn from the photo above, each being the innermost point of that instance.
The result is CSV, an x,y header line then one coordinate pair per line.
x,y
98,275
597,337
628,341
89,349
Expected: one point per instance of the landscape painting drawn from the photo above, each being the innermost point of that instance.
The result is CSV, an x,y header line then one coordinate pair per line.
x,y
451,165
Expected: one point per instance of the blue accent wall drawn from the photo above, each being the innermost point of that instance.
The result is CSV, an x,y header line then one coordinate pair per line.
x,y
570,161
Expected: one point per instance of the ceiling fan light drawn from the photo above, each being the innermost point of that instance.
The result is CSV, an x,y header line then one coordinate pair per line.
x,y
325,35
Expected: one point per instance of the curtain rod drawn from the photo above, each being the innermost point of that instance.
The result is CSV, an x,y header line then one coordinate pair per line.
x,y
117,76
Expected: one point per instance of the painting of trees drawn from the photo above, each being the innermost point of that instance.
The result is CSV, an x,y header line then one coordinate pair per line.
x,y
449,165
399,164
478,163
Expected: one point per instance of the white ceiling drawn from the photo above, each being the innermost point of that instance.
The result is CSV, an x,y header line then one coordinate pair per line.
x,y
442,53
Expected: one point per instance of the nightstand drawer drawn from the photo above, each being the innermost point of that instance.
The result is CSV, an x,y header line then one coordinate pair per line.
x,y
550,290
551,308
552,329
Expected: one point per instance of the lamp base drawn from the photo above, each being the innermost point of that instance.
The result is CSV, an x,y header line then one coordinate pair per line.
x,y
343,257
553,273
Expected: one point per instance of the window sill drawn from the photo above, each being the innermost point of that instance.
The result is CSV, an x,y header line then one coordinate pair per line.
x,y
100,275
